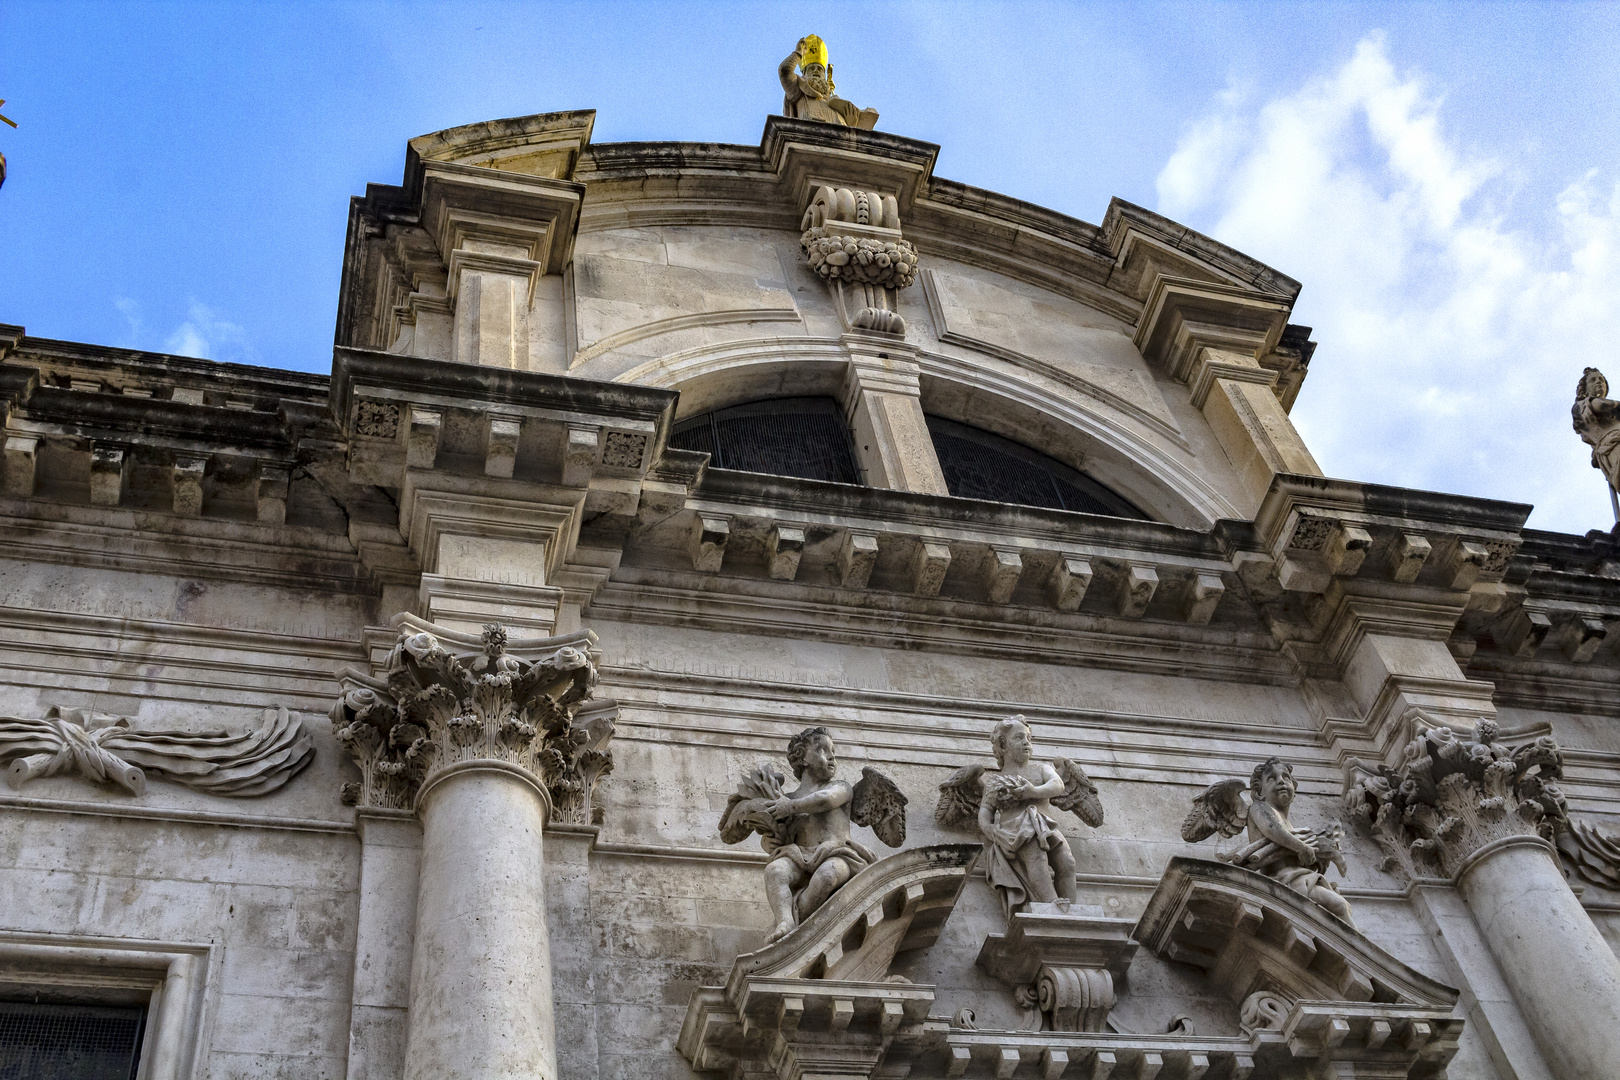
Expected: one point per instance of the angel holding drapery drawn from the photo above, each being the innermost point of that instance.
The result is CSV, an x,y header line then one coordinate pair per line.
x,y
1029,858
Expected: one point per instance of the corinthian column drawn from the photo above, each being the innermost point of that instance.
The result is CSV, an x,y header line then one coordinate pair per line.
x,y
479,737
1482,814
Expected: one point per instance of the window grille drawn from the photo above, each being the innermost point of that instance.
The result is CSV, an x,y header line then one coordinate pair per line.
x,y
980,465
803,437
40,1041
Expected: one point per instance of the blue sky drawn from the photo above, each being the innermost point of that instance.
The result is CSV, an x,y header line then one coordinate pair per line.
x,y
1442,177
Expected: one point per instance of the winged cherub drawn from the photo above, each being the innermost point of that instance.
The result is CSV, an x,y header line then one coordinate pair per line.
x,y
806,831
1030,858
1299,858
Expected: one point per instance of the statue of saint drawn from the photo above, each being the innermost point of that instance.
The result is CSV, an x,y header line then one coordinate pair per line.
x,y
808,88
1597,423
806,831
1299,858
1029,858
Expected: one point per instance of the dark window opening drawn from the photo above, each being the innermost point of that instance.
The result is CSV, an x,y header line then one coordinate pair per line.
x,y
979,465
40,1041
804,437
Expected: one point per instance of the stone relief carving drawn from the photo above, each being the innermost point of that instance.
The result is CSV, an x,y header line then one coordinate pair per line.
x,y
445,698
1029,858
1298,858
109,750
806,831
1597,421
852,241
1590,853
808,91
1453,793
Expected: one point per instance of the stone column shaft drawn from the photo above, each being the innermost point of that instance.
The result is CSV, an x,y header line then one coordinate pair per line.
x,y
481,1005
1563,975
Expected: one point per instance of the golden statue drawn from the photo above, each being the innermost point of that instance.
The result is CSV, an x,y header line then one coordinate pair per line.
x,y
808,88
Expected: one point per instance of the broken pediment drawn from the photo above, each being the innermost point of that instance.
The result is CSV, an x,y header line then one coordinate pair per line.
x,y
820,1001
546,144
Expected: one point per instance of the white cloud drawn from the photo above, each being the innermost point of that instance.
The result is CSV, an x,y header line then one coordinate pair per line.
x,y
207,336
1452,331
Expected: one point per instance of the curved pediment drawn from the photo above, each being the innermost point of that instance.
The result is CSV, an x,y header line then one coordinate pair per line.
x,y
895,905
1252,934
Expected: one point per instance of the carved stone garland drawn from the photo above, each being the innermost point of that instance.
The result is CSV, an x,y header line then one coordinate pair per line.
x,y
852,240
435,706
1452,795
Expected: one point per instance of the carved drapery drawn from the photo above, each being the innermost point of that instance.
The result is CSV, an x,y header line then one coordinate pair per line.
x,y
444,698
1453,794
110,750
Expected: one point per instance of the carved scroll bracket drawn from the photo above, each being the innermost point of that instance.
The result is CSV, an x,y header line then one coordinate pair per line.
x,y
1063,963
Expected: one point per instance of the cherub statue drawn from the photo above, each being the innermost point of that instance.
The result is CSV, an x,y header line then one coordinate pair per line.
x,y
1597,423
806,831
809,89
1029,857
1298,858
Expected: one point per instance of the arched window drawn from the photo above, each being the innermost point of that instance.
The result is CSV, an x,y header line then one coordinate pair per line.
x,y
804,437
979,465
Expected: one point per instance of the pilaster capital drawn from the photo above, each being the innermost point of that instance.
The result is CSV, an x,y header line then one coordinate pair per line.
x,y
1454,795
445,702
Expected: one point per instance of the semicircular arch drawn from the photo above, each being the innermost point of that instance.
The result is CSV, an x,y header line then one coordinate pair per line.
x,y
1075,432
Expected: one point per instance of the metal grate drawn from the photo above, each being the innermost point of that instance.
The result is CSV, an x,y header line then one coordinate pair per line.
x,y
803,437
69,1042
979,465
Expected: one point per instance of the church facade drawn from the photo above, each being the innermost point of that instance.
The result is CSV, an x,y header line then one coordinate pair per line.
x,y
771,611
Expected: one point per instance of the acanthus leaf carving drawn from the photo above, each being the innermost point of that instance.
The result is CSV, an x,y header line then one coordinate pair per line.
x,y
443,698
110,750
1455,792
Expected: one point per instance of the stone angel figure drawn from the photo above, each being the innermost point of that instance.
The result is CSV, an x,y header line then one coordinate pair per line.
x,y
1299,858
1597,421
806,831
1029,857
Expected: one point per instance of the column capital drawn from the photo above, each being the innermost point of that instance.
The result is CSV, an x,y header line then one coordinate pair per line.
x,y
1455,796
445,702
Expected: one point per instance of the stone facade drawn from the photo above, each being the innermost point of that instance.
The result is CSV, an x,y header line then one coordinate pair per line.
x,y
386,725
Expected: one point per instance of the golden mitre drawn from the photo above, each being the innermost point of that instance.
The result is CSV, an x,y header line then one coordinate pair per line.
x,y
814,52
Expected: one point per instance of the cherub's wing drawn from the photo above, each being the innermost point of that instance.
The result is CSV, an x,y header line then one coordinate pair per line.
x,y
880,805
1220,809
959,797
1079,793
745,810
